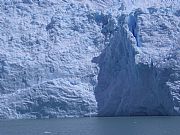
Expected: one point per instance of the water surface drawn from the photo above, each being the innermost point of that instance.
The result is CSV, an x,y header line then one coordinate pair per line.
x,y
93,126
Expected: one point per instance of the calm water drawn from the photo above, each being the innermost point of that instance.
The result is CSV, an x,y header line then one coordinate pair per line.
x,y
93,126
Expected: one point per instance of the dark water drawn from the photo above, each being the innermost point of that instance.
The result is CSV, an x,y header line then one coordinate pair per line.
x,y
93,126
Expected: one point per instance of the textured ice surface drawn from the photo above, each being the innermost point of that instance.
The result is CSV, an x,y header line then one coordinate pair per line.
x,y
71,58
138,66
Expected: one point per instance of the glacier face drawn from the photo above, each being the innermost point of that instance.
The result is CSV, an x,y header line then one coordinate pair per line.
x,y
137,67
84,58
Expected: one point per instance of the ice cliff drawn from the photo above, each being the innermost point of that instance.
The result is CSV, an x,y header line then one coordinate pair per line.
x,y
73,58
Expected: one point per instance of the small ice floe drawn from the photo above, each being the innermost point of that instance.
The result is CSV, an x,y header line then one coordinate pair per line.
x,y
47,132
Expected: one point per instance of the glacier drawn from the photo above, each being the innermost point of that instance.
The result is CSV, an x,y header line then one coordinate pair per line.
x,y
83,58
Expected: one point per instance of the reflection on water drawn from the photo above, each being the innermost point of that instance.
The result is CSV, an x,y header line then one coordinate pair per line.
x,y
93,126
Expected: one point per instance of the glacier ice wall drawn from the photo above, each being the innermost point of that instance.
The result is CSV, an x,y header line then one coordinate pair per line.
x,y
134,74
86,58
45,59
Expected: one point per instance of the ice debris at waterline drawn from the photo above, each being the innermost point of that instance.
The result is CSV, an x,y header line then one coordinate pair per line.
x,y
74,58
